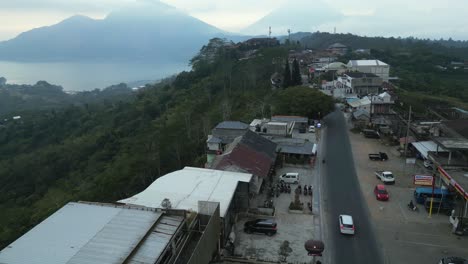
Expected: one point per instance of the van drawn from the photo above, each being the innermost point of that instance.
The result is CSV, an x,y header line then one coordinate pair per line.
x,y
290,177
421,193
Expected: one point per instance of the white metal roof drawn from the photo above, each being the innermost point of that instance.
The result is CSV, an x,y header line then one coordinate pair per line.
x,y
82,233
184,188
366,63
425,146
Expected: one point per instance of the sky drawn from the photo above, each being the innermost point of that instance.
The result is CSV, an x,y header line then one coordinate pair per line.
x,y
421,18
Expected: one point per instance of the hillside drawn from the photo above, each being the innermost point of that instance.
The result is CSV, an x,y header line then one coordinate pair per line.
x,y
111,150
142,31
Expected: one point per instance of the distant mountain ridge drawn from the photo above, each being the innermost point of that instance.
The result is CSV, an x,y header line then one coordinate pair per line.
x,y
142,31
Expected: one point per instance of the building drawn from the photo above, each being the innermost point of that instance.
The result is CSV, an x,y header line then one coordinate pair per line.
x,y
294,150
185,188
376,67
360,83
382,103
250,153
337,48
296,122
83,232
222,135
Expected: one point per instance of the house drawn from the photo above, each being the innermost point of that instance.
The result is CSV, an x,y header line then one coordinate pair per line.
x,y
361,83
185,188
376,67
337,48
250,153
294,150
361,118
223,134
296,122
359,104
83,232
382,103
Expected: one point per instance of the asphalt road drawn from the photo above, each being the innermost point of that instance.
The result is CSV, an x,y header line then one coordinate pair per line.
x,y
342,195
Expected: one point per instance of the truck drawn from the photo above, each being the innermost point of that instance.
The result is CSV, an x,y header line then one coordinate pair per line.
x,y
382,156
385,176
369,133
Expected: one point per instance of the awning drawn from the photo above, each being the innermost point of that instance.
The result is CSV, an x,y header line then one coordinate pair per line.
x,y
424,147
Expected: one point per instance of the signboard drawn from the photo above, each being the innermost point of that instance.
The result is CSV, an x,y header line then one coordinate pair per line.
x,y
411,161
452,181
425,180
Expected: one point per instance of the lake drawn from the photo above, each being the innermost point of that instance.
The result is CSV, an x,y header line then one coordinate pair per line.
x,y
79,76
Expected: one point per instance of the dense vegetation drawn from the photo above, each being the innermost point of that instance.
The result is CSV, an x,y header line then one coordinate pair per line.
x,y
111,150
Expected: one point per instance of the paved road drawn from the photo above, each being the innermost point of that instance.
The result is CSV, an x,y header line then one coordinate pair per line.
x,y
342,195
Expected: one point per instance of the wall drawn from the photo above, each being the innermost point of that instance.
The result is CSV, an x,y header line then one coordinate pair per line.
x,y
207,246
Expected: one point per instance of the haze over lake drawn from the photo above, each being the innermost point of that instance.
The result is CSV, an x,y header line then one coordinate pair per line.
x,y
81,76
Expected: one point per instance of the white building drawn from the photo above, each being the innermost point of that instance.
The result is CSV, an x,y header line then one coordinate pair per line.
x,y
376,67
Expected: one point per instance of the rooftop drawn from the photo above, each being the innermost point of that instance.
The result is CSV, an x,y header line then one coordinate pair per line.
x,y
184,188
459,126
336,45
232,125
356,63
280,118
94,233
452,143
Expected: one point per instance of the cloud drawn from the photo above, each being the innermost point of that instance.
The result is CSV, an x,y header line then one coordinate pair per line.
x,y
63,5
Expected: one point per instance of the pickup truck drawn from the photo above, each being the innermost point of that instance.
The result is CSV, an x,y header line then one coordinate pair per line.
x,y
378,156
385,176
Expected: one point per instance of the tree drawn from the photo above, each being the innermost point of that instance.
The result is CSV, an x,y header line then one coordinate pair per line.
x,y
287,75
302,101
296,78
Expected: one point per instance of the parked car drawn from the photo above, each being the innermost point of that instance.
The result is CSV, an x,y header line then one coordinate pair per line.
x,y
385,176
311,129
290,177
382,156
346,224
453,260
381,193
265,226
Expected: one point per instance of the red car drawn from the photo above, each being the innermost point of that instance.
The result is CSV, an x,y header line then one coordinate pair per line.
x,y
381,193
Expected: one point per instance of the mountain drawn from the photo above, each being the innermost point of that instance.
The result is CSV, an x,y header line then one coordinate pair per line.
x,y
299,15
144,30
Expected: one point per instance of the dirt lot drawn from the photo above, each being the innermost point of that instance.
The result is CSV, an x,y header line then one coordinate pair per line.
x,y
405,236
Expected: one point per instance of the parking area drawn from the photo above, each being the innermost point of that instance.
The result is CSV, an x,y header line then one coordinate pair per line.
x,y
296,228
405,236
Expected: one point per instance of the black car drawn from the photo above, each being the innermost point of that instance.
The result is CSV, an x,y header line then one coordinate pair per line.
x,y
265,226
453,260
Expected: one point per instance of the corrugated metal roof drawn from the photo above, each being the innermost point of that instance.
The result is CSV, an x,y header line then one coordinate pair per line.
x,y
154,245
184,188
304,149
213,139
356,63
82,233
425,146
232,125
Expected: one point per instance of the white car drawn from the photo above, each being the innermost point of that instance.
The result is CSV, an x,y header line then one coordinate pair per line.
x,y
346,224
385,176
311,129
290,177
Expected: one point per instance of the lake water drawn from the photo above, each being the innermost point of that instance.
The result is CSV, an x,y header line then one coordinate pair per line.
x,y
74,76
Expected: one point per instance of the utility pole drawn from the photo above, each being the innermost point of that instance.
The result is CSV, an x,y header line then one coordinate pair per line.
x,y
269,33
289,35
407,132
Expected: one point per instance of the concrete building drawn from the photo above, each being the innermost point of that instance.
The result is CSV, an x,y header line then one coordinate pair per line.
x,y
185,188
222,135
360,83
376,67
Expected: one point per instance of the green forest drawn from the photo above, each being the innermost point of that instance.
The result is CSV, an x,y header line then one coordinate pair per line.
x,y
111,145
